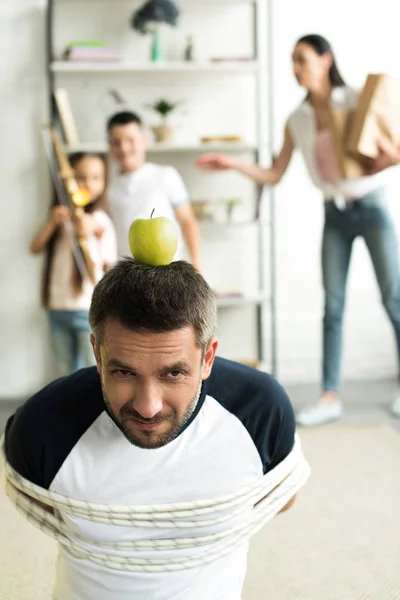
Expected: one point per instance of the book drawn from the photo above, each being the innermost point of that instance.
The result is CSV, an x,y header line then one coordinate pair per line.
x,y
66,116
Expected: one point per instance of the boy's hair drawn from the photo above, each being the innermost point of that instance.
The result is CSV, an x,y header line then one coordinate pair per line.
x,y
123,118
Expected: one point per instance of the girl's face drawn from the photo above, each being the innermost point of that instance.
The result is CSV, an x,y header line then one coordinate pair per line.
x,y
90,174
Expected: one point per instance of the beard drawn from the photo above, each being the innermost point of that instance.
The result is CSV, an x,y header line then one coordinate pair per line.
x,y
150,440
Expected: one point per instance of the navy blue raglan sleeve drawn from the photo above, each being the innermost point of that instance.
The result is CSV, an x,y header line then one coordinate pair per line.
x,y
43,431
283,425
260,403
23,455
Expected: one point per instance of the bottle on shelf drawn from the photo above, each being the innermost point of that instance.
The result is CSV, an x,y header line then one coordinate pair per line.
x,y
156,50
189,49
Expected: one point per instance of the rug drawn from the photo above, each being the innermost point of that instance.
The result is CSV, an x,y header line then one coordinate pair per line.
x,y
341,540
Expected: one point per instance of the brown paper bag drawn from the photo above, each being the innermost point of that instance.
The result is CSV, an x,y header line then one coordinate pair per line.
x,y
377,116
341,123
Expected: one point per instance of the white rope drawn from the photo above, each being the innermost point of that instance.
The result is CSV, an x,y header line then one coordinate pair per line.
x,y
256,504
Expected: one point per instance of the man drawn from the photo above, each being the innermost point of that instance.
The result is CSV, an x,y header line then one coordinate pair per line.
x,y
162,447
141,187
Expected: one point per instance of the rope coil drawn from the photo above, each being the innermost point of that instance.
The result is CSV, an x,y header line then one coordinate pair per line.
x,y
256,505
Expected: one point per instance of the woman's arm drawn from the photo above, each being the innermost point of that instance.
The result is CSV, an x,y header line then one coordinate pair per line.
x,y
261,175
190,231
57,216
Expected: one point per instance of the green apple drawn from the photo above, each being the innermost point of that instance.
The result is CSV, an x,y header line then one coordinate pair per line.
x,y
153,241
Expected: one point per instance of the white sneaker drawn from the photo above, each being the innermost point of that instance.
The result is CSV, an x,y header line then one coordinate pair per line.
x,y
395,408
318,414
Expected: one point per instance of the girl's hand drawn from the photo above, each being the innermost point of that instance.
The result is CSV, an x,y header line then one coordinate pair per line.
x,y
85,225
58,215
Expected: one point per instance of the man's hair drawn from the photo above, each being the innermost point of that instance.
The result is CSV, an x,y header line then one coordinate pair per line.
x,y
123,118
155,299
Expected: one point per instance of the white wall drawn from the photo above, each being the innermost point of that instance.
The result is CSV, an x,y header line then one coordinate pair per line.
x,y
23,193
24,362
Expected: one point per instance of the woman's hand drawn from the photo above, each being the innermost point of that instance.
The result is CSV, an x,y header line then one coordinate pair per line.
x,y
389,156
216,162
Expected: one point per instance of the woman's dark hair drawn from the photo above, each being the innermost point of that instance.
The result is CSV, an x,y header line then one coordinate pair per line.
x,y
96,204
322,46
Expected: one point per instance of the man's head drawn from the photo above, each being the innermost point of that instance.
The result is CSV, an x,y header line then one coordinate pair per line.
x,y
127,140
153,337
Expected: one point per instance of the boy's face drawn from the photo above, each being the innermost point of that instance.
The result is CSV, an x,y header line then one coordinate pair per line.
x,y
128,145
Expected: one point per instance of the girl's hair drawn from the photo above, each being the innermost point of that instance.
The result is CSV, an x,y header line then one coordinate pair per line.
x,y
96,204
321,46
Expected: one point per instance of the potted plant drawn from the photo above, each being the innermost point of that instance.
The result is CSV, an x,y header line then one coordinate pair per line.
x,y
148,17
164,108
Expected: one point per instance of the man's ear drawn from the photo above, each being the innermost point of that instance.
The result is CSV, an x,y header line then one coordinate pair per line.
x,y
209,356
96,351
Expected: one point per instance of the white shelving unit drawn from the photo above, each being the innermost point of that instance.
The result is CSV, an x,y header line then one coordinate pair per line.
x,y
171,148
262,301
245,300
147,67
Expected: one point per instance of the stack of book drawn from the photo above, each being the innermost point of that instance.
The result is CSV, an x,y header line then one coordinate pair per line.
x,y
91,51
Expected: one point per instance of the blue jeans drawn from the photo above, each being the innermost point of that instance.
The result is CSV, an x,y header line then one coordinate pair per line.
x,y
70,335
369,218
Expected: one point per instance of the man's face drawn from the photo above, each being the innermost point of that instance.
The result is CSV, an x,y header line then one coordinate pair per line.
x,y
151,381
128,145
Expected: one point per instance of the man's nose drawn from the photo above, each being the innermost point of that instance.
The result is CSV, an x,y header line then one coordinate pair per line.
x,y
126,147
148,401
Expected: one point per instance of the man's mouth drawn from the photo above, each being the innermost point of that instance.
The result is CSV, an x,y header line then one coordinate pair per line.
x,y
146,425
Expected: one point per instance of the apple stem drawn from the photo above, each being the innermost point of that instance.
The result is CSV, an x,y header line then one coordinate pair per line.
x,y
152,212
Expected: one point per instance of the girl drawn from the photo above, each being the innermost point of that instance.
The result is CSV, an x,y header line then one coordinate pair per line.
x,y
66,291
352,208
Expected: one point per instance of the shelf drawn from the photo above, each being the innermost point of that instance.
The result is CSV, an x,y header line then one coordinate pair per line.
x,y
64,66
169,148
193,2
253,299
225,224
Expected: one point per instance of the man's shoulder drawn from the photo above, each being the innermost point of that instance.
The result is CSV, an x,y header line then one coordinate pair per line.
x,y
233,382
260,403
43,431
62,393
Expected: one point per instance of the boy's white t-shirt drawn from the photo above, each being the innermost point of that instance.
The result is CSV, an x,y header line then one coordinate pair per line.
x,y
135,195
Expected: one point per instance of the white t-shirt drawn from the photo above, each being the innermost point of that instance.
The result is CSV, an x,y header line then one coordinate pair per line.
x,y
243,427
303,130
103,252
135,195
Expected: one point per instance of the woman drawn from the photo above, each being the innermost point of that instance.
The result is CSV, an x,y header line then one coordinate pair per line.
x,y
352,208
66,291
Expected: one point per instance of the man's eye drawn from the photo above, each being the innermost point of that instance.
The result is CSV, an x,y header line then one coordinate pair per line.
x,y
174,374
121,373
